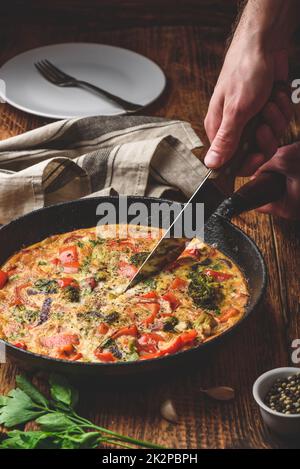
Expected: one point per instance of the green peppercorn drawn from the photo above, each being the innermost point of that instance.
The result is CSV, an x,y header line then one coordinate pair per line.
x,y
284,395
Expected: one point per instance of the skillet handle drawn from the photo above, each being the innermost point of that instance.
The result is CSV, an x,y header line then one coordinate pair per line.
x,y
266,188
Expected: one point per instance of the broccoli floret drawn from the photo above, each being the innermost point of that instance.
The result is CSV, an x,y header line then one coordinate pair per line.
x,y
112,317
72,294
170,323
204,291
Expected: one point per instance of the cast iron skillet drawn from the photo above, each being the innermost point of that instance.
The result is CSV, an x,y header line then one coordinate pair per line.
x,y
233,242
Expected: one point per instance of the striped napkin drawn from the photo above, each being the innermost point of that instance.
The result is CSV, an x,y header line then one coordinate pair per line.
x,y
67,160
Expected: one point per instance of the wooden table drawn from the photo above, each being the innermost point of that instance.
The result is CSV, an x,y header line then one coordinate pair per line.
x,y
188,42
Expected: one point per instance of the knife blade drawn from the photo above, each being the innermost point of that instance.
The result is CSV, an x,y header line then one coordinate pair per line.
x,y
169,248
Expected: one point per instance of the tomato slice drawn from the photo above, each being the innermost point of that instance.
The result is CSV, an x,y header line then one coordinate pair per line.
x,y
186,338
127,270
229,313
67,282
154,309
150,337
103,328
67,349
183,339
68,254
21,345
172,299
150,356
178,283
3,278
105,356
55,261
150,295
216,275
76,357
148,342
71,267
130,330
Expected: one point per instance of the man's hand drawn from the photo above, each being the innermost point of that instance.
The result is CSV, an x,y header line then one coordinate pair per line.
x,y
243,90
286,161
255,61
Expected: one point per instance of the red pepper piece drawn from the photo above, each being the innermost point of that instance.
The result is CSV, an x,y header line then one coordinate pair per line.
x,y
130,330
172,299
3,278
67,282
216,275
105,356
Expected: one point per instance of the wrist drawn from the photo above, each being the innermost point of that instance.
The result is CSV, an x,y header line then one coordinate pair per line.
x,y
267,25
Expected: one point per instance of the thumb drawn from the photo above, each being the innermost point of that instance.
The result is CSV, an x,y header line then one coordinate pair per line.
x,y
225,142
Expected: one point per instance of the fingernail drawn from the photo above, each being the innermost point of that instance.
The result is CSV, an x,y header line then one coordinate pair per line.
x,y
212,159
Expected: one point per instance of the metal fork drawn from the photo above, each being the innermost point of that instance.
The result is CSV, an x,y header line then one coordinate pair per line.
x,y
56,76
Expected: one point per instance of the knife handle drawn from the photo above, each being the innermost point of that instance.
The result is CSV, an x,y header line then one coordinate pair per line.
x,y
267,187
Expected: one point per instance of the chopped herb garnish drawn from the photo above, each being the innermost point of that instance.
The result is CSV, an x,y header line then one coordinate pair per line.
x,y
46,286
112,317
150,282
96,242
138,258
85,265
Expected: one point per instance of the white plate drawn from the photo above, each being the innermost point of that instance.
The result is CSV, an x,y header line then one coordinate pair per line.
x,y
120,71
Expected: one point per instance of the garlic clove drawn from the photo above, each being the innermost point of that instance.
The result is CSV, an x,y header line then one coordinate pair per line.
x,y
168,412
220,393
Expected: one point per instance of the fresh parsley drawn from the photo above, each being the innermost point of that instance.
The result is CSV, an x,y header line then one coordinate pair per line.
x,y
60,427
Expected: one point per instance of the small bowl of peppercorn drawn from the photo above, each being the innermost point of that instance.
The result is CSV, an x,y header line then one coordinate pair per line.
x,y
277,392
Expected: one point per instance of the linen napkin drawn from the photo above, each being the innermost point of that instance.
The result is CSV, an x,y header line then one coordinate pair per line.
x,y
125,155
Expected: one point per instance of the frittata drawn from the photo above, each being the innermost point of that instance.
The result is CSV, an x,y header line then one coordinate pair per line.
x,y
64,297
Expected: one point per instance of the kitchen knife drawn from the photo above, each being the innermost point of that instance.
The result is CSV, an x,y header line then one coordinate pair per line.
x,y
266,188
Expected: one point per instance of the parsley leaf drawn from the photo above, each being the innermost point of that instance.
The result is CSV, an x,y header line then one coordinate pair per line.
x,y
17,439
56,422
62,392
19,408
31,391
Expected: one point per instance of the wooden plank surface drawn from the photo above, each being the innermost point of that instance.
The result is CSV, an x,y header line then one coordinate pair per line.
x,y
188,42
